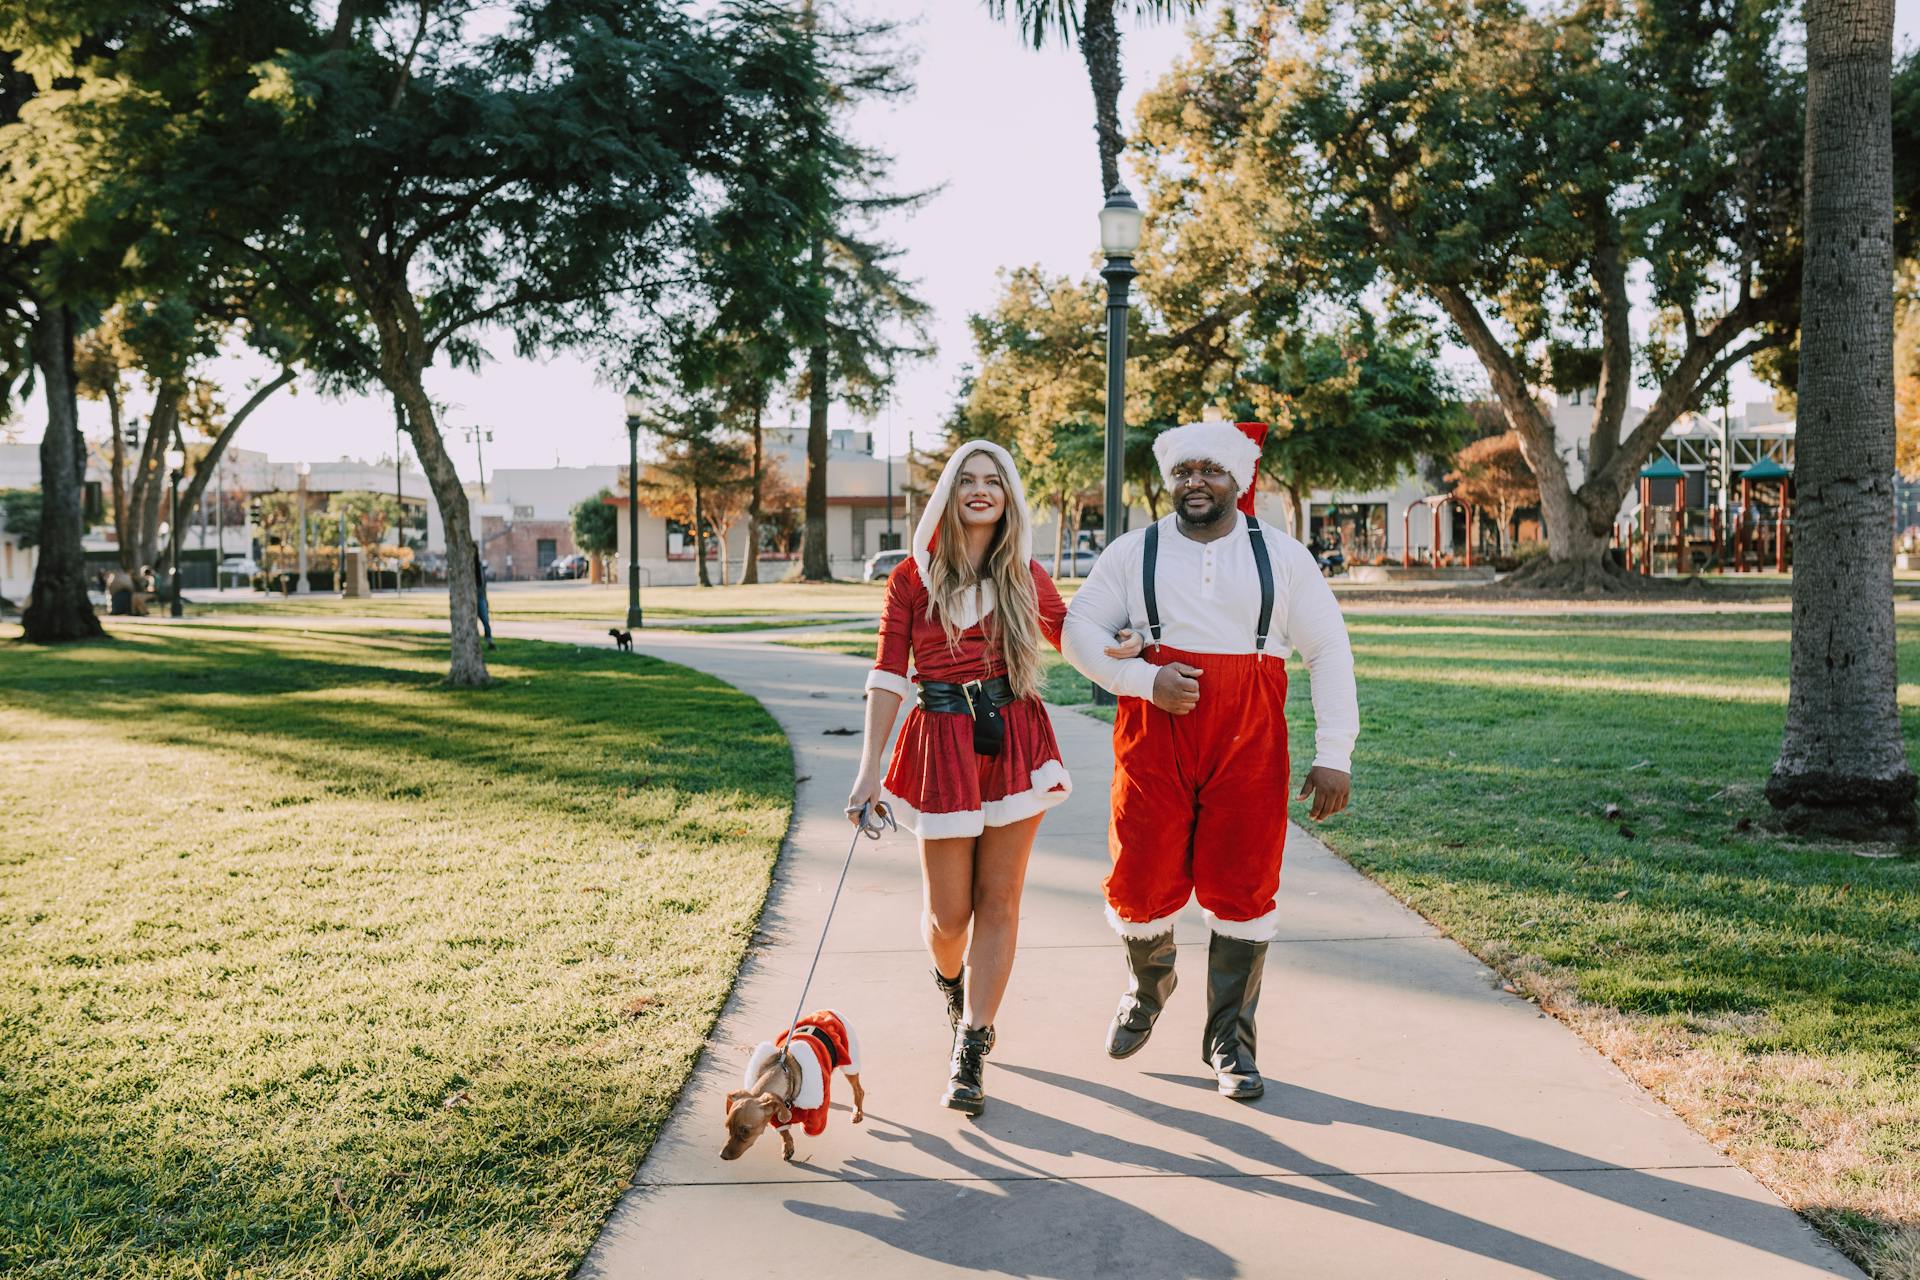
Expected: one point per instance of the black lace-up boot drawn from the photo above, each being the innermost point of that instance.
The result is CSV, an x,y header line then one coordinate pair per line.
x,y
955,991
1150,966
965,1092
1234,966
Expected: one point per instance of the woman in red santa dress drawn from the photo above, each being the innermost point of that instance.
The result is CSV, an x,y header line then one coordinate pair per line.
x,y
976,764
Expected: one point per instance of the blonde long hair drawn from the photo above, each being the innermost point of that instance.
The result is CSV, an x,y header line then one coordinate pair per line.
x,y
1014,625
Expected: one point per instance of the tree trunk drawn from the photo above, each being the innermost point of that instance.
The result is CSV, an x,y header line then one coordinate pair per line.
x,y
700,536
467,660
122,514
1843,766
750,568
1060,535
815,566
60,610
209,464
1100,49
723,532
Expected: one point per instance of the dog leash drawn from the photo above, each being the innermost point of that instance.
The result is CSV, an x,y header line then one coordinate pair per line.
x,y
875,821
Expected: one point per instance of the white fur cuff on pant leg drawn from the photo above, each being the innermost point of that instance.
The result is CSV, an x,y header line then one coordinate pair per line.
x,y
1139,928
1259,929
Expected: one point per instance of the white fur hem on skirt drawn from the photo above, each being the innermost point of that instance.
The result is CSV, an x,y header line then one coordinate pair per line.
x,y
1039,797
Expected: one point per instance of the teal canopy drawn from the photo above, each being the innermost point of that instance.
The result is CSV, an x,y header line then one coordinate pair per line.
x,y
1766,469
1662,468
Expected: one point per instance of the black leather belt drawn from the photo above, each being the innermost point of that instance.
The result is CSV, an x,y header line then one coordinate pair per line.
x,y
966,699
979,699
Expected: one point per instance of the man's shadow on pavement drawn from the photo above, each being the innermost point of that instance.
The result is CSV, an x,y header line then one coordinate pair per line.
x,y
1733,1217
1014,1221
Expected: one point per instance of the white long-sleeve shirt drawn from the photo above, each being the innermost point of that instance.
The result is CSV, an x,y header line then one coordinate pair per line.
x,y
1209,597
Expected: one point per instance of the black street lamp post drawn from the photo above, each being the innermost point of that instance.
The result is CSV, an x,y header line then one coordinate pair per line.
x,y
176,467
635,405
1119,238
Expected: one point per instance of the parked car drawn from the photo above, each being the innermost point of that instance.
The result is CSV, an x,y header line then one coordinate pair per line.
x,y
568,566
1075,564
878,567
236,571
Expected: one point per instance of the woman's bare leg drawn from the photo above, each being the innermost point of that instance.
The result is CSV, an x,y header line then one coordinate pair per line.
x,y
999,878
946,871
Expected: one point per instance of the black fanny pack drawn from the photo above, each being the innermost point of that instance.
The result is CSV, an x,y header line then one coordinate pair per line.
x,y
981,699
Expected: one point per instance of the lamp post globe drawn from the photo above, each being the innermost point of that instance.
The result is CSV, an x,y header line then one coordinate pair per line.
x,y
1121,222
176,467
635,405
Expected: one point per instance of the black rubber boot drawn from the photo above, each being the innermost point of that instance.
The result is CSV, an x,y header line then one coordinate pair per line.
x,y
1234,966
1150,966
965,1091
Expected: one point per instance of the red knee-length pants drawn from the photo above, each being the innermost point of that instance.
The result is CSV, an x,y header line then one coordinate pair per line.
x,y
1200,800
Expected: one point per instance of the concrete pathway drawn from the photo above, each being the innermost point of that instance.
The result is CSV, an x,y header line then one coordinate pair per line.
x,y
1417,1122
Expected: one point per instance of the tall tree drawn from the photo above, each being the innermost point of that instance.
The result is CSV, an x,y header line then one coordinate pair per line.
x,y
596,528
1094,26
701,479
1843,762
860,320
545,174
37,335
1352,409
1510,168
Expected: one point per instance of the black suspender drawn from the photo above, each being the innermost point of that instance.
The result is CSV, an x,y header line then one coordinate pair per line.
x,y
1265,567
1149,572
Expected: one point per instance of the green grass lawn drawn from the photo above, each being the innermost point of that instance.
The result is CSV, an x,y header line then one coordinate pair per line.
x,y
575,600
1768,988
312,967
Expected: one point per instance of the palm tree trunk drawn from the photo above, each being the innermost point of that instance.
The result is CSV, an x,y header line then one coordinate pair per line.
x,y
1060,536
1843,766
60,611
1100,49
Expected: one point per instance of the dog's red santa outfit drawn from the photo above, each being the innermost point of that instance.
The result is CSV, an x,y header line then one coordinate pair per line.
x,y
1200,800
822,1043
938,785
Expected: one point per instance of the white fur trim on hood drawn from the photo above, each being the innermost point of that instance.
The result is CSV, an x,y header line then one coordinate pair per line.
x,y
923,533
1221,443
1262,928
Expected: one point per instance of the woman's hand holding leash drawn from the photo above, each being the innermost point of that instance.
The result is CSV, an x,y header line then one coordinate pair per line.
x,y
865,795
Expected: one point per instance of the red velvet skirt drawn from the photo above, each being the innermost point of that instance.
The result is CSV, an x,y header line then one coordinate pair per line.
x,y
939,788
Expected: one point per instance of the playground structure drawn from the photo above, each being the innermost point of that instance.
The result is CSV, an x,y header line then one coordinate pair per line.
x,y
1435,504
1658,532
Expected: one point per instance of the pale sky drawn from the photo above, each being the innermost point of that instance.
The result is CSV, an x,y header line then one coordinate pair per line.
x,y
1008,131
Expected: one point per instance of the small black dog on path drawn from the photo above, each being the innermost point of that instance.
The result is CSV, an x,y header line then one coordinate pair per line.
x,y
622,638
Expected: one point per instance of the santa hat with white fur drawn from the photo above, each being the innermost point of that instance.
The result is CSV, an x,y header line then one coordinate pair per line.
x,y
1235,448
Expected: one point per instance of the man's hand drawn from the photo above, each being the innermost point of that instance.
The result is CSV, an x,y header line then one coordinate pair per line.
x,y
1329,788
1176,688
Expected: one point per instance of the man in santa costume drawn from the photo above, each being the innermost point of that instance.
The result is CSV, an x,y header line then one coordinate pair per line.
x,y
1200,772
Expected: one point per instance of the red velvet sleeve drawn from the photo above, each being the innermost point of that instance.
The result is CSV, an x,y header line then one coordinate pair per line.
x,y
1053,610
895,646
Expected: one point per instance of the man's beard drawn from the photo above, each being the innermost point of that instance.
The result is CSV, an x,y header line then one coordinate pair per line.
x,y
1215,510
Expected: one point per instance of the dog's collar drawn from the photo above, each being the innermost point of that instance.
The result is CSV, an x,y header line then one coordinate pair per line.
x,y
790,1069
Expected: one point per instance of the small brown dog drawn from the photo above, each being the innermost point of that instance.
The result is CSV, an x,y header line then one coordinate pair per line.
x,y
791,1080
